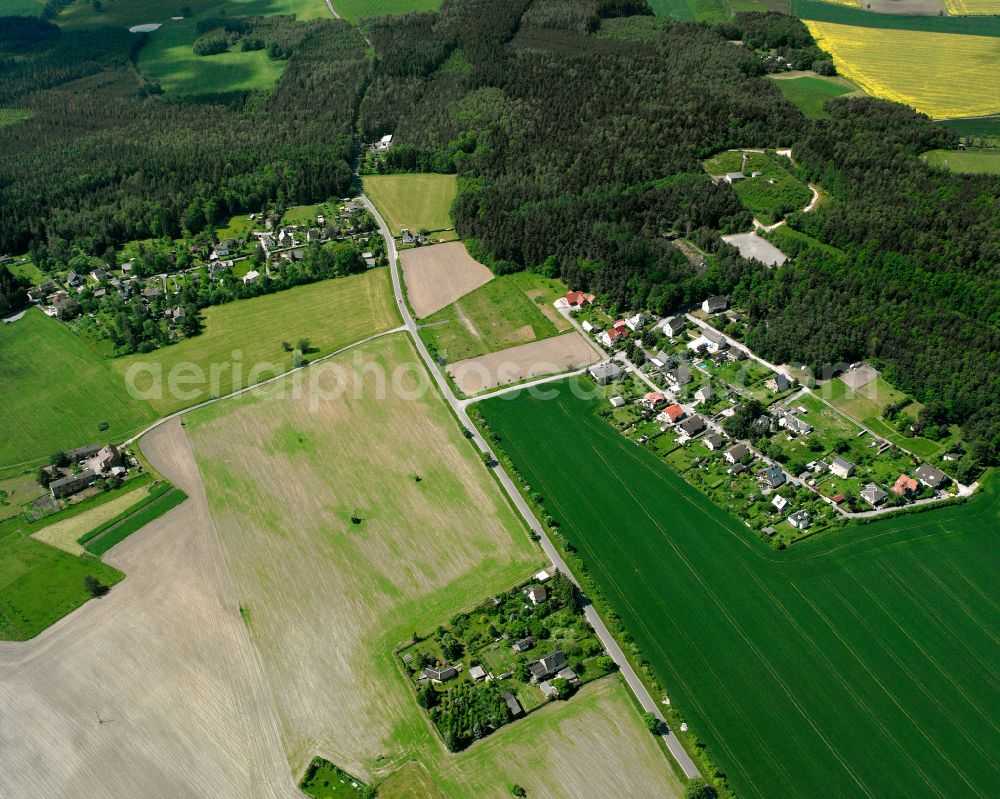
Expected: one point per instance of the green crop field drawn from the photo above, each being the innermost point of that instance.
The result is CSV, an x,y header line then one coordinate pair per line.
x,y
21,8
965,161
55,391
821,11
810,94
860,663
497,315
767,201
353,10
40,584
331,314
117,529
981,126
416,202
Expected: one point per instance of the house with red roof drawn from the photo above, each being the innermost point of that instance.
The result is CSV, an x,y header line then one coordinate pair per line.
x,y
671,414
577,299
905,486
653,399
618,332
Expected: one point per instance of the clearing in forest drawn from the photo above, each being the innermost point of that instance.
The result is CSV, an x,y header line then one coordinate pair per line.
x,y
966,162
436,276
549,356
413,201
872,652
941,74
810,93
242,340
60,392
353,10
509,310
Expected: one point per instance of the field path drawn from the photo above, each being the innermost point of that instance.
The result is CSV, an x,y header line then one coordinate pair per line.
x,y
635,684
153,690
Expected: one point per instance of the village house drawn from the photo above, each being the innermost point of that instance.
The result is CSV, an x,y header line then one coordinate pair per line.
x,y
536,594
874,495
637,322
524,644
477,673
577,299
793,424
710,341
778,382
512,704
905,486
606,372
715,304
369,259
671,414
780,503
384,143
703,394
772,476
617,402
546,665
713,441
610,337
736,453
66,486
74,280
674,325
652,399
841,467
737,354
800,520
692,427
250,277
680,376
931,476
105,459
441,673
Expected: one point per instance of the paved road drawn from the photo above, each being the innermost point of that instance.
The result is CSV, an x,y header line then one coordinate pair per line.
x,y
519,386
607,640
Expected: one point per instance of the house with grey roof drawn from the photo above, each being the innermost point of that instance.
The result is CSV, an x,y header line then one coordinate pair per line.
x,y
772,476
546,665
441,673
931,476
841,467
874,495
606,372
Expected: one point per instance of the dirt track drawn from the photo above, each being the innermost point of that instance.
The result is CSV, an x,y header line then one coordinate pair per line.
x,y
437,276
164,659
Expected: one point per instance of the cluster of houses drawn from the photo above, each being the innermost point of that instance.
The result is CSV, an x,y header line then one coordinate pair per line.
x,y
88,465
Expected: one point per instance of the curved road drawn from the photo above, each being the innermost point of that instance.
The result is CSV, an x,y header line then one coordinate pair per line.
x,y
458,407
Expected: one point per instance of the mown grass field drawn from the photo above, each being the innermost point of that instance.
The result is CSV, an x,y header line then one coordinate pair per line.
x,y
416,202
965,161
331,314
863,663
497,315
810,93
168,56
40,584
767,201
353,10
55,391
329,599
941,74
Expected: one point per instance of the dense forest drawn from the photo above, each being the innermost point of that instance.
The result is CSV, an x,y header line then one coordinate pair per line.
x,y
577,129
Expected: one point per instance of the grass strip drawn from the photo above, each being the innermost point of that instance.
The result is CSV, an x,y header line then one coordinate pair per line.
x,y
149,512
152,495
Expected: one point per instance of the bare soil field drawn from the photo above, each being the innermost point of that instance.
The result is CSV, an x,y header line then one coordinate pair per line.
x,y
546,357
913,8
340,551
436,276
153,690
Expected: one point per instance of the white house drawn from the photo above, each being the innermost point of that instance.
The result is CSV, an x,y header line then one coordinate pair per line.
x,y
703,394
715,304
617,402
780,503
702,341
800,519
637,322
250,276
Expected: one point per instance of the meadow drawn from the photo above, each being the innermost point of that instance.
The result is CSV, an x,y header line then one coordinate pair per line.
x,y
810,93
40,584
58,392
11,116
859,663
353,10
940,74
416,202
389,522
495,316
966,162
168,57
331,314
21,8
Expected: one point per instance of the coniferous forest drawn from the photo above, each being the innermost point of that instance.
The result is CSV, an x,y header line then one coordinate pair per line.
x,y
577,129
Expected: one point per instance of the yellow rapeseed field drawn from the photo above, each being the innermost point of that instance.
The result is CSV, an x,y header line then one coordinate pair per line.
x,y
944,75
968,7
